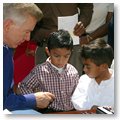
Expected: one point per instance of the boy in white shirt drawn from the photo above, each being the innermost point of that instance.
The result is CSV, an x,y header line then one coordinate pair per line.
x,y
96,86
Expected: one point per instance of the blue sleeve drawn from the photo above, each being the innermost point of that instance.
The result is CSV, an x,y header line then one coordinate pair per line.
x,y
12,101
19,102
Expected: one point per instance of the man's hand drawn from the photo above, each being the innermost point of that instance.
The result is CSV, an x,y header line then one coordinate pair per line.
x,y
79,29
43,99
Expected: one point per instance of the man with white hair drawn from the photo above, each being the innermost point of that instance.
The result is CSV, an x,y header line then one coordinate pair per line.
x,y
19,20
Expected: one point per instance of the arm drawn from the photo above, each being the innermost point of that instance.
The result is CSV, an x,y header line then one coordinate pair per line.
x,y
30,84
28,101
99,32
40,34
80,96
103,30
11,101
86,10
84,19
19,102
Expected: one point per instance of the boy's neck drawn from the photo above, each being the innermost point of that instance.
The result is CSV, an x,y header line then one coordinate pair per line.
x,y
105,75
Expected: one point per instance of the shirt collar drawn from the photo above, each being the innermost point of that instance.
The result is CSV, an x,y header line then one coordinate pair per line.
x,y
59,70
4,45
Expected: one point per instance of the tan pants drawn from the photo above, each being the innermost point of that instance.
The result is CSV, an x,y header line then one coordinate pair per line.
x,y
76,59
40,55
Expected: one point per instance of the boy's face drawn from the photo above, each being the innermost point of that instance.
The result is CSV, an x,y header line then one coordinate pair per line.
x,y
91,69
59,56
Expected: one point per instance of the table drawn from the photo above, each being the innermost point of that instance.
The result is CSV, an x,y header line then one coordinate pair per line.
x,y
92,111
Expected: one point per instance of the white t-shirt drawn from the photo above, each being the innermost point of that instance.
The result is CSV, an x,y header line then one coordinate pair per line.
x,y
100,12
89,93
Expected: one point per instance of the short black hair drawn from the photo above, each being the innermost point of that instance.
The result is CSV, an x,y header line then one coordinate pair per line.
x,y
60,39
98,51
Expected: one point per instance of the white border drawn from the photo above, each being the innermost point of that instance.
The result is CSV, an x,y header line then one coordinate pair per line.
x,y
117,65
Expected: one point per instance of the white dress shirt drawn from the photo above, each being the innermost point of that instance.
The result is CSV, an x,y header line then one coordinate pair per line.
x,y
88,93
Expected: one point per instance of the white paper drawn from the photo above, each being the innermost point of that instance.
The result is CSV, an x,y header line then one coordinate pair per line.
x,y
68,23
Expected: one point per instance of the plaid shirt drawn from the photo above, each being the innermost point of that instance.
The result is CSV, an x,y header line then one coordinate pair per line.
x,y
46,78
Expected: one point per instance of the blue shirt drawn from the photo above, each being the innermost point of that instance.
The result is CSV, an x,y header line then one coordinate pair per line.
x,y
11,101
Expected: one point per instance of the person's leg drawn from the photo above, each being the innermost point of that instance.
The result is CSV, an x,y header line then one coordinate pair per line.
x,y
76,60
40,55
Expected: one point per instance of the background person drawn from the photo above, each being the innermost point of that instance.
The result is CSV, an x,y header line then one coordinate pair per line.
x,y
98,27
111,32
25,52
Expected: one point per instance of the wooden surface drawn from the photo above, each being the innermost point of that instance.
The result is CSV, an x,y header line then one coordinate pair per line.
x,y
93,111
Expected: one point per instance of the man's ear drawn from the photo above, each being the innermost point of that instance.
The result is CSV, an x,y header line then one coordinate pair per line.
x,y
47,51
7,24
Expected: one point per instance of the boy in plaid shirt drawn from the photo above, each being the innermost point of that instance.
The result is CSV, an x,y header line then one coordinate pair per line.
x,y
55,75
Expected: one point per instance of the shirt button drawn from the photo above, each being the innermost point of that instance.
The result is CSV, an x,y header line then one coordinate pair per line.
x,y
62,92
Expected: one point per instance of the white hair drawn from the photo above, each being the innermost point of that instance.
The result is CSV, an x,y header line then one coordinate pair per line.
x,y
20,11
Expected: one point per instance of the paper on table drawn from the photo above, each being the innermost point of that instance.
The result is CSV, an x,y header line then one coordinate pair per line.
x,y
68,23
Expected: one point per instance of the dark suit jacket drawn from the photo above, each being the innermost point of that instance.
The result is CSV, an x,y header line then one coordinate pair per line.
x,y
11,101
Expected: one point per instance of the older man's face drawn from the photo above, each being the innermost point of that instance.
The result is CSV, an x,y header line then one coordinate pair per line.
x,y
15,34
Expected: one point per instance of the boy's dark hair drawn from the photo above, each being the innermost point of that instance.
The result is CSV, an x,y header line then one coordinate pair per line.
x,y
60,39
98,51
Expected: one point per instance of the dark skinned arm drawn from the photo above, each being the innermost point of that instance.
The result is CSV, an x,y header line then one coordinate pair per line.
x,y
99,32
86,10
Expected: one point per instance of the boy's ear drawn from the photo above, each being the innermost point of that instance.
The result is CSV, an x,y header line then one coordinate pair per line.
x,y
104,66
47,51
